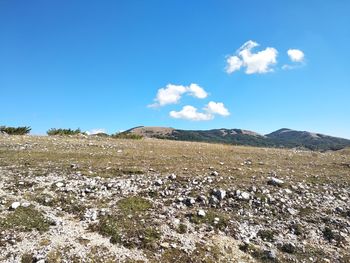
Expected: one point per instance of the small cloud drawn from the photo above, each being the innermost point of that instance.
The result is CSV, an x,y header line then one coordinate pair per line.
x,y
172,94
234,63
96,131
210,110
197,91
296,55
217,108
190,113
259,62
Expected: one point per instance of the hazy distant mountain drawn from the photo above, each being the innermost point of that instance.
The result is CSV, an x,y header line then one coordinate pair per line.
x,y
281,138
291,138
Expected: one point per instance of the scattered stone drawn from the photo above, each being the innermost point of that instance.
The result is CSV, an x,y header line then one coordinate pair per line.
x,y
158,182
216,220
25,204
190,201
172,176
271,254
214,173
59,184
275,181
15,205
201,213
244,195
164,245
74,166
220,194
202,199
292,211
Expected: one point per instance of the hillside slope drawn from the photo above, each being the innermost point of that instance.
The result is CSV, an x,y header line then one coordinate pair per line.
x,y
285,138
102,199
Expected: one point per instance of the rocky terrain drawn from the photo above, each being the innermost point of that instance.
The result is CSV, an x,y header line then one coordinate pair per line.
x,y
96,199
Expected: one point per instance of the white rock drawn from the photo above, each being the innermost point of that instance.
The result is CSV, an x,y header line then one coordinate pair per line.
x,y
220,194
275,181
201,213
164,245
59,184
158,182
292,211
25,204
215,173
245,196
15,205
172,176
190,201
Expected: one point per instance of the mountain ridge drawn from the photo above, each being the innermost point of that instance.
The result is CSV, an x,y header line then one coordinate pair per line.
x,y
282,138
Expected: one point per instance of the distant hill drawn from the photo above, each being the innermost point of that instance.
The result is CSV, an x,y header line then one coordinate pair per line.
x,y
285,138
314,141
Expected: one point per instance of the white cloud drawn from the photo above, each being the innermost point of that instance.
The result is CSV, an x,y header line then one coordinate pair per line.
x,y
259,62
197,91
96,131
217,108
210,110
296,55
233,64
171,94
190,113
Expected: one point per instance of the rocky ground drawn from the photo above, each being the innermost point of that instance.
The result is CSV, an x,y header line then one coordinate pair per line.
x,y
92,199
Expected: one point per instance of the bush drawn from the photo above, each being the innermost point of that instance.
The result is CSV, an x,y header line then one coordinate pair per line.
x,y
127,135
15,130
54,131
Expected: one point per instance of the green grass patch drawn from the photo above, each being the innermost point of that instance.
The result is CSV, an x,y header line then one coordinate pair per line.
x,y
25,219
131,225
108,226
133,205
210,218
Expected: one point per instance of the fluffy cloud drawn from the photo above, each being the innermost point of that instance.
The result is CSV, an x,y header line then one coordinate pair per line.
x,y
259,62
171,94
210,110
296,55
197,91
217,108
190,113
234,63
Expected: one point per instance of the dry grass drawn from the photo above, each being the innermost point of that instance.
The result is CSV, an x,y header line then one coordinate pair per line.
x,y
112,157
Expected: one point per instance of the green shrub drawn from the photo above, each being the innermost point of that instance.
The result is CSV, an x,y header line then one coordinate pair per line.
x,y
15,130
54,131
127,135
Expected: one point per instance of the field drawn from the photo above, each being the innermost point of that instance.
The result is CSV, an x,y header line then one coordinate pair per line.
x,y
97,199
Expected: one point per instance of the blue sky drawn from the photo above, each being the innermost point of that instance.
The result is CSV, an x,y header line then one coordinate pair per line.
x,y
100,64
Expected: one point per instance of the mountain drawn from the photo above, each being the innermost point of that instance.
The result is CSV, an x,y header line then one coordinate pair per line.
x,y
314,141
285,138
